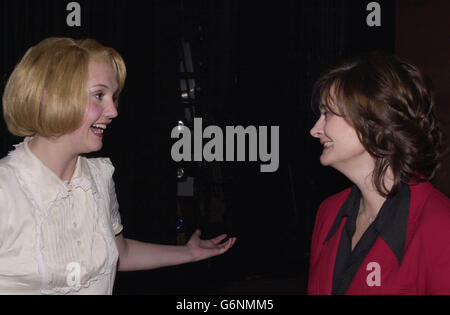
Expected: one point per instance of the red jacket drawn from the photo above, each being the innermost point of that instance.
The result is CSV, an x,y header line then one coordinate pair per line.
x,y
425,267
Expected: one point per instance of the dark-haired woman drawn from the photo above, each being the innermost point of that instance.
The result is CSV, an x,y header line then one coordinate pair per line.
x,y
390,232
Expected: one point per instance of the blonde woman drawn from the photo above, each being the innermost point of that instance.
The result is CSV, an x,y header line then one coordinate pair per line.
x,y
60,228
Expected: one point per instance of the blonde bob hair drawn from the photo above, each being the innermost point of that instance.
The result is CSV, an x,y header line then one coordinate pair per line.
x,y
46,93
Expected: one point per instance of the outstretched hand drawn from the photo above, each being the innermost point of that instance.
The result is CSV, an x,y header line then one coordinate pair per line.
x,y
203,249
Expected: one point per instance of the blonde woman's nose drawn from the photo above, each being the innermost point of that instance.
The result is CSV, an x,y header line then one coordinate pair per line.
x,y
111,111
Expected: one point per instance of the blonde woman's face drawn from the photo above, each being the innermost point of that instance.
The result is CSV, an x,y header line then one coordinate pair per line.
x,y
100,108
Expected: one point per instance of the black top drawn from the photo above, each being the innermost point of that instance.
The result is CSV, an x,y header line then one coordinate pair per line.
x,y
391,224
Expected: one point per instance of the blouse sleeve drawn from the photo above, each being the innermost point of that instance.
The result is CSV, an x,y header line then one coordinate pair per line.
x,y
106,169
5,204
114,206
3,218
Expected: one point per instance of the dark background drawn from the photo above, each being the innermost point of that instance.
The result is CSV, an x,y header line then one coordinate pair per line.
x,y
255,63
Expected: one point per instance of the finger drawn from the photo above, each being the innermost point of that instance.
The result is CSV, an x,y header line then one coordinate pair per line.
x,y
218,239
222,248
227,244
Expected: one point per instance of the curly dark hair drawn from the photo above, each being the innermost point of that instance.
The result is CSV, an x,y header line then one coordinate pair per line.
x,y
390,104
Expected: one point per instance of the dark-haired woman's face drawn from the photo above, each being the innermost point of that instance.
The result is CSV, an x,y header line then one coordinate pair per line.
x,y
341,146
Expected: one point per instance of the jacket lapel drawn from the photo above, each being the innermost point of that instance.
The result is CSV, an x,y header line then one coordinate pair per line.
x,y
326,262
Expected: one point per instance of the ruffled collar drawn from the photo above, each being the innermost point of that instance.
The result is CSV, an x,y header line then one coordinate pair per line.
x,y
40,183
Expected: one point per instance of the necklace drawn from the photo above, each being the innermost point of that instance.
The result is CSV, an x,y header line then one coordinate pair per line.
x,y
369,218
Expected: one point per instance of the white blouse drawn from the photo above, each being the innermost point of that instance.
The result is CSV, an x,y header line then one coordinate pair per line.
x,y
57,237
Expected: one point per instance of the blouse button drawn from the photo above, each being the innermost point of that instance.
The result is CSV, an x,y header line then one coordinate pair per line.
x,y
75,224
79,243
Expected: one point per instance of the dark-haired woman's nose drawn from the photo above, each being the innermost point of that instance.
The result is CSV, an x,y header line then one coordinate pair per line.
x,y
317,130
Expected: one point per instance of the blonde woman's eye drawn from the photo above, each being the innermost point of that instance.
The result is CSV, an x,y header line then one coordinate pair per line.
x,y
99,96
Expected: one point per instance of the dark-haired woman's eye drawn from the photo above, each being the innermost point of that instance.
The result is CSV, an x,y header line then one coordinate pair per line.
x,y
330,114
327,114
